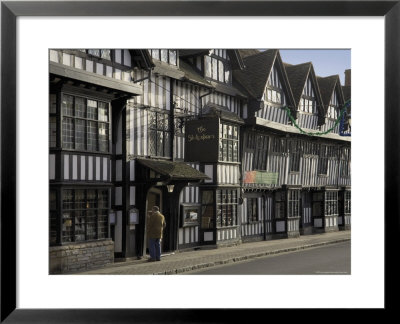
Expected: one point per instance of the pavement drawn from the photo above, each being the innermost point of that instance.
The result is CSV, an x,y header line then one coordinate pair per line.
x,y
180,262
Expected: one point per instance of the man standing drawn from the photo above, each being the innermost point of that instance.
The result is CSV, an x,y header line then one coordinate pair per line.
x,y
155,226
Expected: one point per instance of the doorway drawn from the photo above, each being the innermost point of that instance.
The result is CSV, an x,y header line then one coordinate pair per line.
x,y
154,198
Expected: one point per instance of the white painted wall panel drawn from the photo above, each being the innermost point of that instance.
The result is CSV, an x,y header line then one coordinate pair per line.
x,y
98,168
83,167
90,168
74,167
105,165
66,167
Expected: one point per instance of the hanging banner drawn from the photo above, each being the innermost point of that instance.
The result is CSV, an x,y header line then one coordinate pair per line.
x,y
261,177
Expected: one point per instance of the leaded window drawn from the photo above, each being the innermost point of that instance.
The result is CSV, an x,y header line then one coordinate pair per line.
x,y
165,55
159,134
293,203
252,210
347,202
226,207
102,53
53,120
84,214
85,124
331,203
228,142
217,66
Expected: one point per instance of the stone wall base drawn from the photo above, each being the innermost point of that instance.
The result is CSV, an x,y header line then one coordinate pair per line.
x,y
80,256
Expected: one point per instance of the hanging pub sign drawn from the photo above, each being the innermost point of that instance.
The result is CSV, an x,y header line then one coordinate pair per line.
x,y
201,140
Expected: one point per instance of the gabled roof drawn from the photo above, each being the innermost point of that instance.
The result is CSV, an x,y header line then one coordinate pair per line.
x,y
255,75
327,87
298,75
258,68
248,52
346,92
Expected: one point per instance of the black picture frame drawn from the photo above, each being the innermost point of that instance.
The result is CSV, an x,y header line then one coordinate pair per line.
x,y
10,10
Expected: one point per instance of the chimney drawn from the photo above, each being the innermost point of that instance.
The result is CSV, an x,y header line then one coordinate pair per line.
x,y
347,77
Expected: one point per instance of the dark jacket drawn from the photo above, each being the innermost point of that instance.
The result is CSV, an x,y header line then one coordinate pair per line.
x,y
155,225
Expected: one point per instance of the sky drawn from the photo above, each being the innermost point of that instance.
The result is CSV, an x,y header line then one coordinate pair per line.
x,y
326,62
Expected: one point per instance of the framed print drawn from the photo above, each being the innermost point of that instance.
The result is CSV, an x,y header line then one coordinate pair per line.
x,y
32,32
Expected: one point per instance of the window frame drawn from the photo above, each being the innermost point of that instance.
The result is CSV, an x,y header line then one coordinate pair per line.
x,y
168,53
87,122
226,209
252,205
227,150
73,213
223,67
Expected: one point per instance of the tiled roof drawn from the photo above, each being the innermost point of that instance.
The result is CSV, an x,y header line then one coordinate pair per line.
x,y
248,52
255,75
346,92
173,170
212,110
297,75
326,87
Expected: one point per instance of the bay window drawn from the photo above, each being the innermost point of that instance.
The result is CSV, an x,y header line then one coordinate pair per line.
x,y
226,207
85,124
84,214
159,134
228,142
252,210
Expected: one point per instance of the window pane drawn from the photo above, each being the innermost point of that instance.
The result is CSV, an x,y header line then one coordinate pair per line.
x,y
68,133
164,55
80,225
103,137
103,223
208,67
215,69
118,56
220,71
67,105
155,54
106,54
172,57
91,136
92,109
91,226
95,52
227,76
79,134
80,107
103,111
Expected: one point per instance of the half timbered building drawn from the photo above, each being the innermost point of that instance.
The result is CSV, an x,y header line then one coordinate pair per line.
x,y
218,139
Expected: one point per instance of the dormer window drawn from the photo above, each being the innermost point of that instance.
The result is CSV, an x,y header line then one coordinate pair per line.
x,y
165,55
217,66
